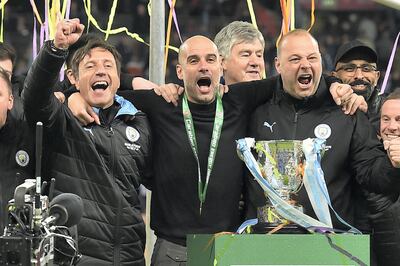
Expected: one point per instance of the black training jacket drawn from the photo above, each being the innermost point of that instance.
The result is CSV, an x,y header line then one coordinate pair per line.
x,y
103,164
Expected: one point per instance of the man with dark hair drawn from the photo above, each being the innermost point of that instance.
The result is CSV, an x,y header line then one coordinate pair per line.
x,y
16,146
356,65
7,58
103,164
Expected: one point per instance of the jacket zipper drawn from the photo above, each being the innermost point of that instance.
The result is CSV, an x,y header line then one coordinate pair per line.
x,y
295,125
110,132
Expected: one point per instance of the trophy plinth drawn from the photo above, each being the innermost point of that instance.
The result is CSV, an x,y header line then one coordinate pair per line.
x,y
282,164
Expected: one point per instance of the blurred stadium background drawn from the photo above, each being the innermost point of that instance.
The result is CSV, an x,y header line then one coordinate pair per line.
x,y
337,21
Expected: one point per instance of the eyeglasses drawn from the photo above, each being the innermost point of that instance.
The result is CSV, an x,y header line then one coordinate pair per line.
x,y
352,68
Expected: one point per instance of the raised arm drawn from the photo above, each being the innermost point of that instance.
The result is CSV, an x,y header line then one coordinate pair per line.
x,y
37,95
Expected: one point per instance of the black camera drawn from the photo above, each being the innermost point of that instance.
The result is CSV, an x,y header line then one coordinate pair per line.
x,y
37,232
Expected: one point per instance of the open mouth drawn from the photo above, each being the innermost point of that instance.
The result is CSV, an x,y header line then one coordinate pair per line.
x,y
204,82
100,85
305,79
360,85
392,136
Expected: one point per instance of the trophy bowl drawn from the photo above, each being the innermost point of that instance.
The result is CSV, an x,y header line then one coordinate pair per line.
x,y
282,164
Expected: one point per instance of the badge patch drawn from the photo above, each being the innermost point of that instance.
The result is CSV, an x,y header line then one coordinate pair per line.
x,y
22,158
322,131
132,134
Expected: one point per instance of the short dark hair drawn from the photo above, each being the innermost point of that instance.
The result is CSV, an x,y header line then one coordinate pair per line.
x,y
85,50
394,95
82,41
5,76
7,52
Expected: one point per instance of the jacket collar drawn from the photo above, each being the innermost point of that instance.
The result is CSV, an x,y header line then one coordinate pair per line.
x,y
127,108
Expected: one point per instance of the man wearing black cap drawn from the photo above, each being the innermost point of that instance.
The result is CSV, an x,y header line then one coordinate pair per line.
x,y
356,65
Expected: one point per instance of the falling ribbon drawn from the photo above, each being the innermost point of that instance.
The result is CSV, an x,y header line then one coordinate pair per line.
x,y
111,18
118,30
53,18
168,35
2,5
254,22
175,21
252,14
292,16
312,15
389,67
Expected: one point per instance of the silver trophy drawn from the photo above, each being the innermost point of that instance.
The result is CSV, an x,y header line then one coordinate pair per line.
x,y
282,164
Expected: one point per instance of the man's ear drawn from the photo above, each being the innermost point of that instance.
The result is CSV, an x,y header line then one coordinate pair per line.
x,y
277,65
70,76
179,71
223,63
10,102
334,74
378,74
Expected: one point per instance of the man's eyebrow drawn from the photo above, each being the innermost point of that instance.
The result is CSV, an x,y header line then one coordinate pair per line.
x,y
192,57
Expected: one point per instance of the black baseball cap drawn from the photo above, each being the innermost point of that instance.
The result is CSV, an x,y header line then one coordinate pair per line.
x,y
355,50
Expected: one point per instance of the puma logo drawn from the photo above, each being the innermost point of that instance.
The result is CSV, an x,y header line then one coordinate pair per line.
x,y
88,130
269,126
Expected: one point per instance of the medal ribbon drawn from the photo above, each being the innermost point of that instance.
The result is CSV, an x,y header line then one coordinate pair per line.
x,y
216,134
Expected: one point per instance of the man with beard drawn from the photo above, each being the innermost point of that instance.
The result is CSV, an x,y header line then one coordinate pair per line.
x,y
356,65
355,154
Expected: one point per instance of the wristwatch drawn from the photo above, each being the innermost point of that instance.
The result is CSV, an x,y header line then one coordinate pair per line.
x,y
58,51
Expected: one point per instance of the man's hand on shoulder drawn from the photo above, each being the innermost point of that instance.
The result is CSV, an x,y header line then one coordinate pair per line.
x,y
170,92
344,96
82,110
60,96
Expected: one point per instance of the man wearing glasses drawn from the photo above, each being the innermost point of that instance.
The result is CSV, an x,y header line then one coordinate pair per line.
x,y
356,65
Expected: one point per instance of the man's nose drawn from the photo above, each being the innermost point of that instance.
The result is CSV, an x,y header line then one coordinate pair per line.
x,y
304,63
100,70
394,125
254,60
358,74
203,66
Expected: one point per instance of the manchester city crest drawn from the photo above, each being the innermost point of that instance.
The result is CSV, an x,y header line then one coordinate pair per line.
x,y
322,131
132,134
22,158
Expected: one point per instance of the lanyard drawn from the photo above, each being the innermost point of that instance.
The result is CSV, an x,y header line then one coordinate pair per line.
x,y
218,121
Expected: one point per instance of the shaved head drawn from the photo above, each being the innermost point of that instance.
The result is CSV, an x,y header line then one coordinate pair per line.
x,y
200,69
190,42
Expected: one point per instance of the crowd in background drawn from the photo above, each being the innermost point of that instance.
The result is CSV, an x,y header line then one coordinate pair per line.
x,y
336,22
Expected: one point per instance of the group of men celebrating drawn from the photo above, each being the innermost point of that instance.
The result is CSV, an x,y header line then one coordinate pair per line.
x,y
186,154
